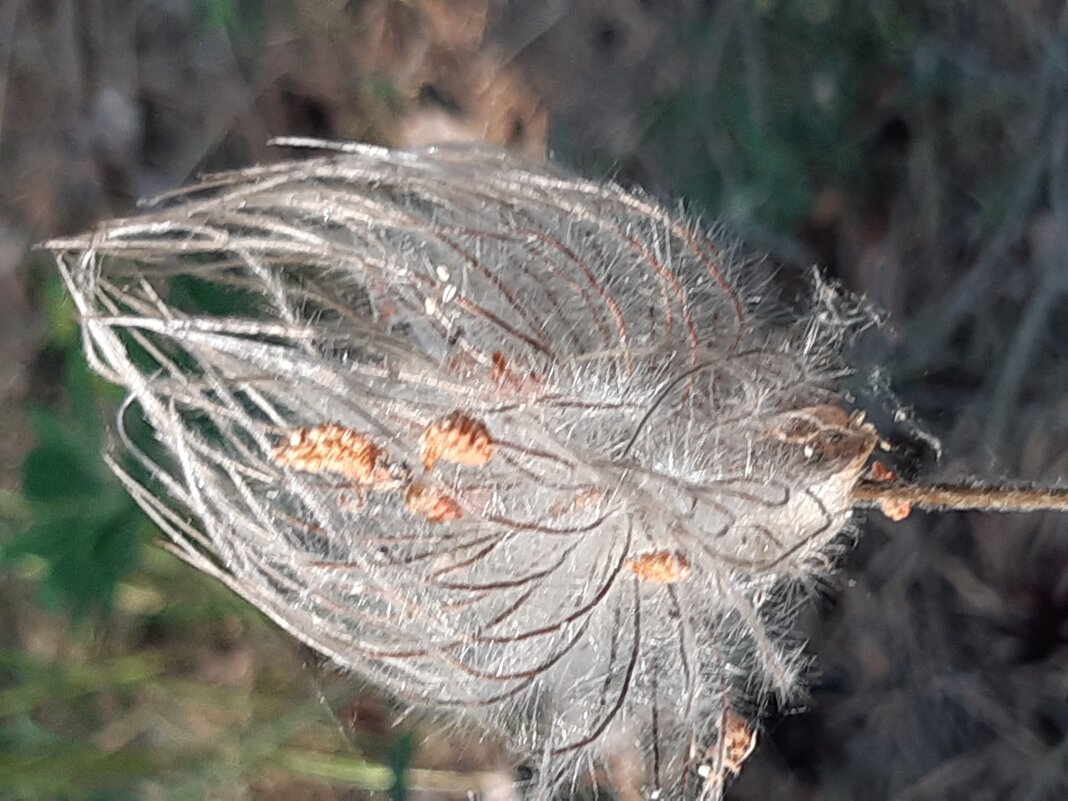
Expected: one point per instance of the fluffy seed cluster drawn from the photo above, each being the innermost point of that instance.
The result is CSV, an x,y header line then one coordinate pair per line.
x,y
592,470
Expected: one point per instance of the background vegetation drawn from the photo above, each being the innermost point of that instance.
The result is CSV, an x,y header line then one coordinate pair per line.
x,y
917,150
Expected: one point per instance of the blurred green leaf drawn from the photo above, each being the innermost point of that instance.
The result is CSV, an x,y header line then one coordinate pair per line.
x,y
196,295
759,150
399,759
20,730
71,769
216,14
82,524
86,558
59,314
37,682
14,512
63,465
343,769
383,95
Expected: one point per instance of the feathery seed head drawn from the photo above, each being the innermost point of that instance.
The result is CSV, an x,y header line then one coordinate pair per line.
x,y
629,463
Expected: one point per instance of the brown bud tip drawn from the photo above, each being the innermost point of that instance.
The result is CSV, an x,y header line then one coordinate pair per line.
x,y
431,503
660,567
880,472
333,448
581,500
826,433
500,367
895,510
457,438
507,377
739,740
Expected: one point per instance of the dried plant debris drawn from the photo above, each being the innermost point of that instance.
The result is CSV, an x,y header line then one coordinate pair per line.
x,y
457,438
593,468
431,503
660,567
332,448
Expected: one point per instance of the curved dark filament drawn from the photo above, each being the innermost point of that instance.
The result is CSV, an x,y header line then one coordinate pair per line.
x,y
609,301
680,295
669,277
548,530
486,543
541,479
508,611
540,236
643,252
520,581
475,309
653,212
536,453
500,286
628,675
684,654
767,566
533,672
724,488
581,611
476,557
710,264
654,676
662,396
613,650
659,399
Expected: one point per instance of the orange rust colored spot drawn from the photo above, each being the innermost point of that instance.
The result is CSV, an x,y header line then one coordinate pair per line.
x,y
739,740
333,448
588,497
457,438
505,376
660,567
895,510
431,503
880,472
500,367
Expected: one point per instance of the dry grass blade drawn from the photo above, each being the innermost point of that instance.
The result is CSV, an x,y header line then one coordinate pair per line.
x,y
505,441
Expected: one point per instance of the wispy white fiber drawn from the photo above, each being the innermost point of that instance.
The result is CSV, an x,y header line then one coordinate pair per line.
x,y
619,571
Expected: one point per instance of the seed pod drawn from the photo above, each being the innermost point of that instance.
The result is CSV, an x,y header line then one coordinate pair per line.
x,y
330,448
660,567
431,504
739,740
456,438
668,461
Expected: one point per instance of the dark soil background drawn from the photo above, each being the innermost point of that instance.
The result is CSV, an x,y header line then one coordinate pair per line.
x,y
917,150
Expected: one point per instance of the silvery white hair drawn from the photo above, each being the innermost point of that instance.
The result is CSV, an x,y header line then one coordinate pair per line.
x,y
661,462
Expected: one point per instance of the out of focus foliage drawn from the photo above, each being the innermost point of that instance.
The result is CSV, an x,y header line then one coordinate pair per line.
x,y
783,113
84,529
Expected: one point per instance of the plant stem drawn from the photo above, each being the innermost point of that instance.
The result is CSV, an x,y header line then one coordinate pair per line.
x,y
961,497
